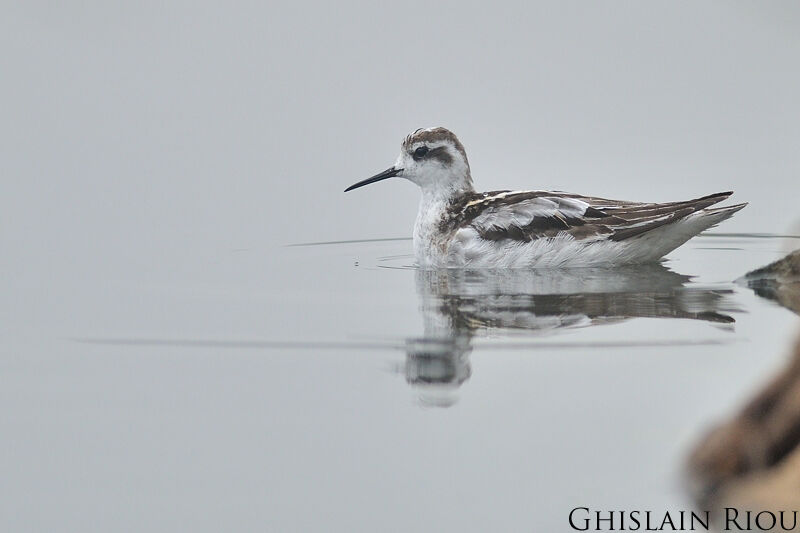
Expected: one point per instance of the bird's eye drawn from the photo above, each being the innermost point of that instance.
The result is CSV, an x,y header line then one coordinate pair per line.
x,y
420,152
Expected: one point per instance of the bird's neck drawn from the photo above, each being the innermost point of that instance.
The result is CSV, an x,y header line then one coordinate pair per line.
x,y
444,191
429,240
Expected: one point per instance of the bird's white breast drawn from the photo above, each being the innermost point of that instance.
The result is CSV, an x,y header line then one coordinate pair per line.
x,y
430,245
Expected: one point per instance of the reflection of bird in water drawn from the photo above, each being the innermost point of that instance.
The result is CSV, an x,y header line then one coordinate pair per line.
x,y
438,366
458,305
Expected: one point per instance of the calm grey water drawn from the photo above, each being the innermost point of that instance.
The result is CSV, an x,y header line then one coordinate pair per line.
x,y
347,391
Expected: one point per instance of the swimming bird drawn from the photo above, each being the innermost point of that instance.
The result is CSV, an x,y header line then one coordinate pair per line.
x,y
459,227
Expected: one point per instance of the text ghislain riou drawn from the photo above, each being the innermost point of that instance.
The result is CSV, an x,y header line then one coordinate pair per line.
x,y
585,519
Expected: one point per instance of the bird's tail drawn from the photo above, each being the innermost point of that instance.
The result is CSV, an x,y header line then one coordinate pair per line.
x,y
711,217
657,243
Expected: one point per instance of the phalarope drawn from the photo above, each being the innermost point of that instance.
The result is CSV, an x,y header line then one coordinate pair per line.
x,y
458,227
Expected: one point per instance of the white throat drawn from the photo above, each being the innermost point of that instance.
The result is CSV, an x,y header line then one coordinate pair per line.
x,y
430,243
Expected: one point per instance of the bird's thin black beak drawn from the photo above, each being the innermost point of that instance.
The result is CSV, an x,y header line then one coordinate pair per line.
x,y
386,174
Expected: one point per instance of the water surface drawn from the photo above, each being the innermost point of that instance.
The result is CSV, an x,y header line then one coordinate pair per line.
x,y
335,387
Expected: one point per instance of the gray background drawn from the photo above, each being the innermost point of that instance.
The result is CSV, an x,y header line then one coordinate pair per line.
x,y
167,127
156,158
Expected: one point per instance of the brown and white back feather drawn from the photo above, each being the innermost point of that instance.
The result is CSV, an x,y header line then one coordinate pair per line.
x,y
515,219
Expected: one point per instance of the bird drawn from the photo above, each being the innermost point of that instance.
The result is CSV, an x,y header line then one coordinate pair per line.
x,y
457,227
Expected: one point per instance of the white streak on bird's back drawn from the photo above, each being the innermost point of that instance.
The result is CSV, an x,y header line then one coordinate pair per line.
x,y
523,213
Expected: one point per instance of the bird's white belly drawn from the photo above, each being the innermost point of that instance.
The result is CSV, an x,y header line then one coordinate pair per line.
x,y
467,250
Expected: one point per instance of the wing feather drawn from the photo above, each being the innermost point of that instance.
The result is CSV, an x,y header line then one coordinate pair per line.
x,y
529,215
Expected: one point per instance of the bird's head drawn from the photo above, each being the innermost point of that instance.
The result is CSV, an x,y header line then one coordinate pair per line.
x,y
432,158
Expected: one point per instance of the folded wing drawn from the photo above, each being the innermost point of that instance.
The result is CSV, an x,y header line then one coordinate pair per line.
x,y
530,215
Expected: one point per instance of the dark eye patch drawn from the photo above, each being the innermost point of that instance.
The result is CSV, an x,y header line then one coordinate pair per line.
x,y
440,154
420,152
